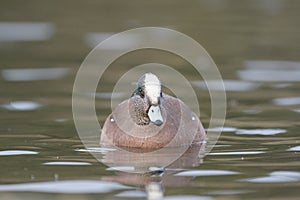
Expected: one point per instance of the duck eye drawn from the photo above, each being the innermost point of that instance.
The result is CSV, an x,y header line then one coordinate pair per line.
x,y
140,92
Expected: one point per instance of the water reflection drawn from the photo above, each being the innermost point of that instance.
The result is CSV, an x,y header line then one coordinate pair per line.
x,y
21,105
276,177
271,7
287,101
145,161
281,85
229,192
154,191
189,197
25,31
93,39
230,85
131,194
61,120
252,111
236,153
109,95
66,163
34,74
17,152
206,173
96,150
296,110
260,131
297,148
154,177
222,129
267,70
73,187
231,30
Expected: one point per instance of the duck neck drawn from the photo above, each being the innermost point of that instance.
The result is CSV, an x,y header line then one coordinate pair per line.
x,y
138,111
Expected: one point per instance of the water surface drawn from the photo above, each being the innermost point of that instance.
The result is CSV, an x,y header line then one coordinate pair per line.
x,y
255,45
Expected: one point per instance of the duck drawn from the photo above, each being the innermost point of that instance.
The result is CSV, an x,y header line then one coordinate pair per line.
x,y
152,119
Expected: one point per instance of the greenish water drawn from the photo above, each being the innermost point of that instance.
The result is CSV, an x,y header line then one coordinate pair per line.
x,y
255,46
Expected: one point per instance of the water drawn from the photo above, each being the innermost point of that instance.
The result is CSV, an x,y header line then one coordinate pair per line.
x,y
255,45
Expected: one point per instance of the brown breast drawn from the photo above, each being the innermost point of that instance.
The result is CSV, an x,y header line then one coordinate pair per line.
x,y
181,126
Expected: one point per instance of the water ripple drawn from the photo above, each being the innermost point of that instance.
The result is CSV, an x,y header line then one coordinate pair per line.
x,y
270,71
96,150
66,163
230,85
229,192
260,131
206,173
189,197
93,39
21,105
296,110
109,95
287,101
74,186
296,148
222,129
34,74
237,153
132,194
276,177
25,31
17,152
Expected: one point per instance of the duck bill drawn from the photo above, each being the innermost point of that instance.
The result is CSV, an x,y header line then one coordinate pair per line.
x,y
155,116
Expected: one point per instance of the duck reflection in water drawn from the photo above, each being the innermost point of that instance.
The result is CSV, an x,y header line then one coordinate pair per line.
x,y
145,169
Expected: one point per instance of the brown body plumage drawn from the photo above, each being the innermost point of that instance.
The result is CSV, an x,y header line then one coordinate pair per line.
x,y
130,126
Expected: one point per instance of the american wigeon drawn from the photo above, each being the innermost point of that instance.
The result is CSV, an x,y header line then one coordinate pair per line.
x,y
151,119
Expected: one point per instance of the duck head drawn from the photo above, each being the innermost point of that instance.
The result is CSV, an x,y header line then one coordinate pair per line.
x,y
147,100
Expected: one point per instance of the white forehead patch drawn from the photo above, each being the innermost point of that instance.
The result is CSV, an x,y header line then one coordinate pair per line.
x,y
152,87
